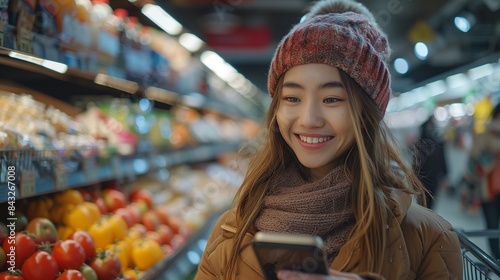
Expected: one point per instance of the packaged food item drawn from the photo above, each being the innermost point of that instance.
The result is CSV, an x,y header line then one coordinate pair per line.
x,y
82,23
22,15
45,21
99,12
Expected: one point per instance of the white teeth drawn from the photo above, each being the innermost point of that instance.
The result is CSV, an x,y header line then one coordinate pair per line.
x,y
314,140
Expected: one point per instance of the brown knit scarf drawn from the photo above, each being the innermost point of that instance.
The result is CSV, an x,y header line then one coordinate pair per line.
x,y
322,208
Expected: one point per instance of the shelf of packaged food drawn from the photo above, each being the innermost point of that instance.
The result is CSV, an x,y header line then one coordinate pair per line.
x,y
44,174
186,259
28,70
35,72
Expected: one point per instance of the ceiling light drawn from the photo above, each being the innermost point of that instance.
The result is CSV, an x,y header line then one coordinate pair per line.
x,y
464,21
401,65
191,42
162,19
219,66
421,50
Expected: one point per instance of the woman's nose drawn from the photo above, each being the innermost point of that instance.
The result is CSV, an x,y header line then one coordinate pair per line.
x,y
310,116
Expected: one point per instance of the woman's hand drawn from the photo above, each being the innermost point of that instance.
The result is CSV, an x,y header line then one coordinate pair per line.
x,y
332,275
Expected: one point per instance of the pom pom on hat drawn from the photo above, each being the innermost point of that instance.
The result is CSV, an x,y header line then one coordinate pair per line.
x,y
342,34
340,6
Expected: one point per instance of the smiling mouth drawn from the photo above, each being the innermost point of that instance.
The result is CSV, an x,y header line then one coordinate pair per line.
x,y
314,140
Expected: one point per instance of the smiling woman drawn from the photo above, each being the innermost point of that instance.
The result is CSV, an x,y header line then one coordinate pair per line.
x,y
329,167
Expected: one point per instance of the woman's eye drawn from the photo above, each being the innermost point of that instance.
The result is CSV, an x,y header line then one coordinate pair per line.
x,y
331,100
292,99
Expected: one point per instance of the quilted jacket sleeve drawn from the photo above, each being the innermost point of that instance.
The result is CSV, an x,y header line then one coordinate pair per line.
x,y
432,244
205,269
443,258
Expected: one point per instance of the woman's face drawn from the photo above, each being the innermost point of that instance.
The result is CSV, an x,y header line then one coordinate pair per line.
x,y
314,116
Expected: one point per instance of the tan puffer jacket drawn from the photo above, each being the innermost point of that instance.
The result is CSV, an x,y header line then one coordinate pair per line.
x,y
422,245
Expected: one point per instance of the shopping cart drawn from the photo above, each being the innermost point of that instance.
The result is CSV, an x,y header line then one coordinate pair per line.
x,y
477,263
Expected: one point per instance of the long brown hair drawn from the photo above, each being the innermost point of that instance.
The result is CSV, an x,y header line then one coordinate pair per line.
x,y
370,164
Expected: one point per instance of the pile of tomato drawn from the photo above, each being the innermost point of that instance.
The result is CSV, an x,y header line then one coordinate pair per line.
x,y
88,234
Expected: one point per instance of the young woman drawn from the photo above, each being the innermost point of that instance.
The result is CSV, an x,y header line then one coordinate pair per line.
x,y
327,165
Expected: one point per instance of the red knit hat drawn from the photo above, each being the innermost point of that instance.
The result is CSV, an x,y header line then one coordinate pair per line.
x,y
347,40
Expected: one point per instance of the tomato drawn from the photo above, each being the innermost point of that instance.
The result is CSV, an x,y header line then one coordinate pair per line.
x,y
43,230
88,272
166,234
106,265
126,215
71,274
69,254
151,220
146,253
6,275
162,214
139,228
175,224
153,235
139,194
86,241
18,248
135,213
123,251
100,203
37,263
114,199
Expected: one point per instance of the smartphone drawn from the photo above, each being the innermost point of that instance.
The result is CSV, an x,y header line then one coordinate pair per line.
x,y
276,251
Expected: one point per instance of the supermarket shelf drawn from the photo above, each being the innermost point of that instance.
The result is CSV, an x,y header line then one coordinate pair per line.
x,y
28,70
28,181
184,261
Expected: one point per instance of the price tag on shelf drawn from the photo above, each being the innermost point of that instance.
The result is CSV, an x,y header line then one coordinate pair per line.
x,y
28,180
90,169
60,175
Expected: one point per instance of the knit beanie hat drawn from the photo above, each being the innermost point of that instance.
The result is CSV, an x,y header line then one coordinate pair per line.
x,y
342,34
